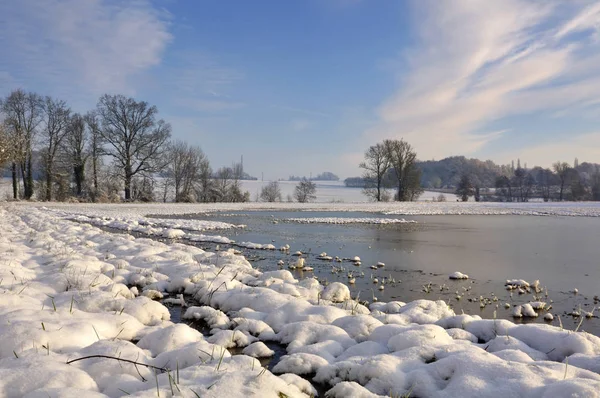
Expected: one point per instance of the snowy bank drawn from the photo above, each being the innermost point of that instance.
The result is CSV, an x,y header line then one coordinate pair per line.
x,y
71,290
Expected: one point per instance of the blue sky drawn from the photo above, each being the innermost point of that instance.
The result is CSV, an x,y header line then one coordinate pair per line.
x,y
306,86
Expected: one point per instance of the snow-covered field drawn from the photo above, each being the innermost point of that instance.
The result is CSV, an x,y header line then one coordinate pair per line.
x,y
71,290
136,210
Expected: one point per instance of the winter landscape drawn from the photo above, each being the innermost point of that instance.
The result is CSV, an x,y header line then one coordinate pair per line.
x,y
101,300
337,198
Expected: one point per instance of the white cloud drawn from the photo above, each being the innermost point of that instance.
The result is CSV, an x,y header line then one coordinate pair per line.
x,y
83,46
478,61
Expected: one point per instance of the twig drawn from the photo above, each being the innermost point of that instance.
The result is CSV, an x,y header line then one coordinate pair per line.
x,y
118,359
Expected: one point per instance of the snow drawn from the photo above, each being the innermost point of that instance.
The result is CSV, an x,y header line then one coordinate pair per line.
x,y
71,290
258,350
135,211
336,292
458,275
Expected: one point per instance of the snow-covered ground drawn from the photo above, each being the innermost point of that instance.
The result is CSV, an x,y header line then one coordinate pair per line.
x,y
136,210
71,290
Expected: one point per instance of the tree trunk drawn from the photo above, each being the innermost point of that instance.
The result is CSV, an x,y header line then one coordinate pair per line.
x,y
562,187
29,178
127,188
15,181
49,182
78,171
128,182
23,167
95,171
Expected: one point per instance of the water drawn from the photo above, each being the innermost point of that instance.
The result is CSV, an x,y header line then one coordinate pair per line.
x,y
562,252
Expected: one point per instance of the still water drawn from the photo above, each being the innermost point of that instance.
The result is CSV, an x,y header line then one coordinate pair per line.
x,y
562,252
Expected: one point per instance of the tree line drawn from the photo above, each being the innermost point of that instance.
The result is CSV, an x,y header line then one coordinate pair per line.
x,y
579,182
120,146
324,176
304,192
393,165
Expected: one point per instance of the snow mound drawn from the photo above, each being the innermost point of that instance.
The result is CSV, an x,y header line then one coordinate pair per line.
x,y
458,275
336,292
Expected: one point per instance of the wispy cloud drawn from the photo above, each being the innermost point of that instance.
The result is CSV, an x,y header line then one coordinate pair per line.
x,y
479,61
199,73
81,46
199,81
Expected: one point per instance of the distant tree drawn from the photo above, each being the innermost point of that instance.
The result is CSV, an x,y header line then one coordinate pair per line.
x,y
376,165
95,150
305,191
223,182
544,181
271,192
23,113
528,187
504,188
326,176
595,183
56,118
205,184
75,147
407,176
562,171
142,188
576,183
465,188
236,194
183,169
136,140
355,182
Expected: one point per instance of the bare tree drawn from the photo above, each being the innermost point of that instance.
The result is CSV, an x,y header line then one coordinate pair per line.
x,y
23,113
503,187
305,191
95,147
562,171
235,193
183,169
135,139
376,165
205,184
271,192
223,183
544,180
403,160
56,120
75,146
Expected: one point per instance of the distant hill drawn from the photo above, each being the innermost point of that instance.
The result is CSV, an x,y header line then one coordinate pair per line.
x,y
325,176
446,173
